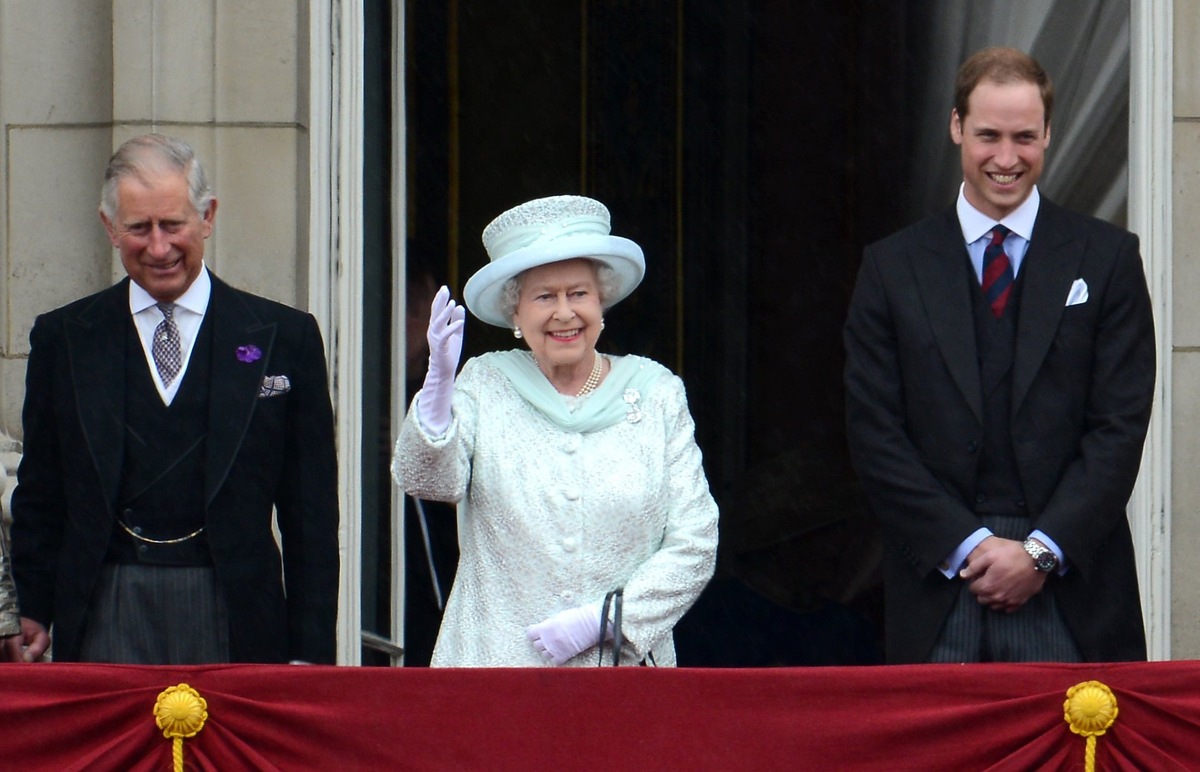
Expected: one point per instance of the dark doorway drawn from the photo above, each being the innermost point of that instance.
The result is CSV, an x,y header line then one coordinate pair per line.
x,y
737,144
752,148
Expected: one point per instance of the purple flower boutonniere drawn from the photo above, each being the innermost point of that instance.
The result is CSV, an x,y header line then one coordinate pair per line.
x,y
249,353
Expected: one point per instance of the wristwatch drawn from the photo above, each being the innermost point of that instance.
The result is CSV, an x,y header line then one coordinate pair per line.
x,y
1044,558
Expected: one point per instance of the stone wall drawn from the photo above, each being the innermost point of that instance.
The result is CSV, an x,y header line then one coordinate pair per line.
x,y
1185,353
77,77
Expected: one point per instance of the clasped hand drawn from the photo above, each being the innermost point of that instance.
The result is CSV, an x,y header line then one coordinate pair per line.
x,y
28,645
1001,574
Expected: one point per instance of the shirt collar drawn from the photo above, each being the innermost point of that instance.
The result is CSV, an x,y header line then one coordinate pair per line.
x,y
975,224
194,299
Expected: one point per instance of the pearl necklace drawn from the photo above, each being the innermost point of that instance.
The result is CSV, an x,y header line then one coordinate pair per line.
x,y
593,380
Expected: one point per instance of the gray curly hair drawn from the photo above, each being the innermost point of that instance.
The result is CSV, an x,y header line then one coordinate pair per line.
x,y
607,284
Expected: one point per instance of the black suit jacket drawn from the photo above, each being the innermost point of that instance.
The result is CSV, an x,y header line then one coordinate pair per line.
x,y
1082,386
261,453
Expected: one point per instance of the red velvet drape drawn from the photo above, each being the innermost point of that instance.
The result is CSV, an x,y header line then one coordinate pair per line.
x,y
929,717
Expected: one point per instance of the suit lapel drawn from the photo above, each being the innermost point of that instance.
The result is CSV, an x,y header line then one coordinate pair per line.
x,y
1050,265
233,384
96,352
939,275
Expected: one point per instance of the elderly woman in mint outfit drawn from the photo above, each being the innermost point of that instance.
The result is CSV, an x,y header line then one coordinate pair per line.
x,y
576,473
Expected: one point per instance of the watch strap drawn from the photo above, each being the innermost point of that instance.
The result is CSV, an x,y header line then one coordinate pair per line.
x,y
1044,558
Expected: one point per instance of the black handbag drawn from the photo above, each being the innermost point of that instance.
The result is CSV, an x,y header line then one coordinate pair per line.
x,y
614,599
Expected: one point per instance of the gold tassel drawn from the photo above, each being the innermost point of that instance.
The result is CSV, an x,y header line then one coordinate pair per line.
x,y
1090,709
180,712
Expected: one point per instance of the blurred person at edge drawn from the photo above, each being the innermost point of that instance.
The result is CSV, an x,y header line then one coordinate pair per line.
x,y
10,618
575,473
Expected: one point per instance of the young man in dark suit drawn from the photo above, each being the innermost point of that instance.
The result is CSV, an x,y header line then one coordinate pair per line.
x,y
1000,372
168,421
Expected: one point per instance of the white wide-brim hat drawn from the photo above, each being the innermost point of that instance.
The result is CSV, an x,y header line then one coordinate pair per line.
x,y
547,230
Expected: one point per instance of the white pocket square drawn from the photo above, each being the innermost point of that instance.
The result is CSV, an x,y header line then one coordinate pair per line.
x,y
274,385
1078,293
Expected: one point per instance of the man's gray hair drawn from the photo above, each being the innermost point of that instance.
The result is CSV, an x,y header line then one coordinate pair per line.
x,y
135,156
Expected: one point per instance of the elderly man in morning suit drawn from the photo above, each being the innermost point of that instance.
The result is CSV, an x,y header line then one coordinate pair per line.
x,y
166,419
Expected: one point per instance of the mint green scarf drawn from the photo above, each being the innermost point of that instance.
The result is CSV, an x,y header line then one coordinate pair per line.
x,y
618,398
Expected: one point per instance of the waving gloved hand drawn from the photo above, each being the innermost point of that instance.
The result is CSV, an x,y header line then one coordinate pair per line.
x,y
445,336
567,633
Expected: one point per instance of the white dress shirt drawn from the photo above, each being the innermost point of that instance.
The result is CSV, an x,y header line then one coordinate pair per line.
x,y
977,231
189,315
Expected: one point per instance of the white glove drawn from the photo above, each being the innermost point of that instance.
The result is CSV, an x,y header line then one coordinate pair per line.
x,y
445,336
567,633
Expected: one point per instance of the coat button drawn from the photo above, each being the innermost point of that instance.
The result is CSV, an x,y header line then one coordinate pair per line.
x,y
972,446
980,498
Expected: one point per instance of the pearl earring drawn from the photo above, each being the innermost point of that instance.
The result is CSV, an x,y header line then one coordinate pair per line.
x,y
602,323
517,333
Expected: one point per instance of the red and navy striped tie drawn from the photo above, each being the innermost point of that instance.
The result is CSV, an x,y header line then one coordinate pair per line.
x,y
997,272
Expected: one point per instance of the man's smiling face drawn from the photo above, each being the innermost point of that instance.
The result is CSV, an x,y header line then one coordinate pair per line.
x,y
159,233
1003,139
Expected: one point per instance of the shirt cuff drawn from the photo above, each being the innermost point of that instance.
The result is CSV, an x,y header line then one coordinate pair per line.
x,y
955,560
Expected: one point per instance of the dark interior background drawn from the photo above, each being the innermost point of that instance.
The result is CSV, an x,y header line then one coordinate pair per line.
x,y
752,149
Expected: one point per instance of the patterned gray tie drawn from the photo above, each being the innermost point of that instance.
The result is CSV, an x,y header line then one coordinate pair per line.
x,y
168,356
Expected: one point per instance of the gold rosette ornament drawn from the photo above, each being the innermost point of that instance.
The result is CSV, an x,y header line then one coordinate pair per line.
x,y
1090,709
180,712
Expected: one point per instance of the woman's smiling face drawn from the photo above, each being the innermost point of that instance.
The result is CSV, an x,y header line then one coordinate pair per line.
x,y
559,314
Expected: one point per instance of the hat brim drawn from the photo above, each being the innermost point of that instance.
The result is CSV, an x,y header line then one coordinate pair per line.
x,y
482,291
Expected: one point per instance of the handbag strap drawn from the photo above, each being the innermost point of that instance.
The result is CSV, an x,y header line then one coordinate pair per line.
x,y
614,599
